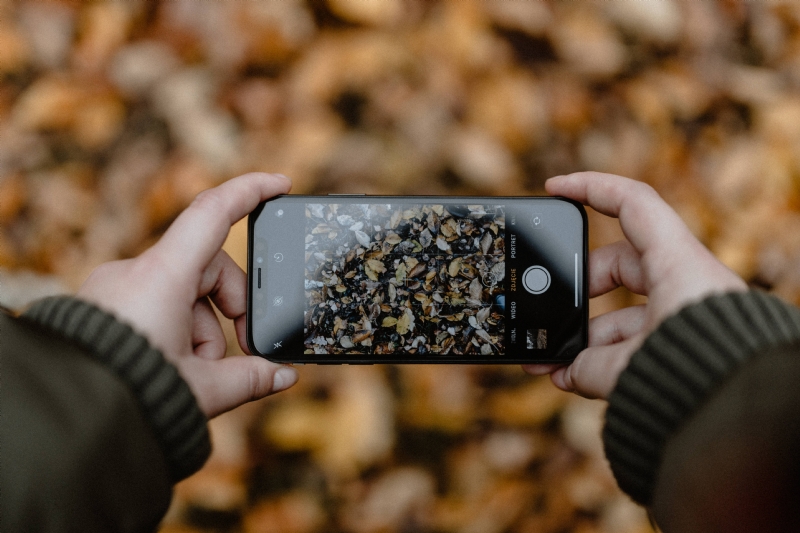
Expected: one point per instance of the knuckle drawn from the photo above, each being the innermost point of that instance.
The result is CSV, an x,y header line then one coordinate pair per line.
x,y
571,376
259,382
108,270
647,190
110,267
101,271
568,381
617,334
209,200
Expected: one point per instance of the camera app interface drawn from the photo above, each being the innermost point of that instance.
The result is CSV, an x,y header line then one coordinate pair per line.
x,y
422,281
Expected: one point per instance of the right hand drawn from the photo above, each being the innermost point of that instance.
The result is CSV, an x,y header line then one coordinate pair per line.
x,y
660,259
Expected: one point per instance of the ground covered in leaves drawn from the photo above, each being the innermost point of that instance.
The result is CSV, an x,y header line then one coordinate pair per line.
x,y
410,278
113,115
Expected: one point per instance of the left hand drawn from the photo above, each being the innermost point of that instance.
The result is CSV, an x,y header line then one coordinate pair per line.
x,y
659,258
166,294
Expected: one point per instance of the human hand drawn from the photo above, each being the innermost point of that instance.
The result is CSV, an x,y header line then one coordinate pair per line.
x,y
660,259
166,294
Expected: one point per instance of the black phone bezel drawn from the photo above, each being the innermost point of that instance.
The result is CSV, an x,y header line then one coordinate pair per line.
x,y
370,359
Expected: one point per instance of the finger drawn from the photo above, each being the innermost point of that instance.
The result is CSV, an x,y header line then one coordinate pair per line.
x,y
221,385
615,265
226,284
595,371
208,340
646,219
240,325
609,328
617,326
198,233
541,369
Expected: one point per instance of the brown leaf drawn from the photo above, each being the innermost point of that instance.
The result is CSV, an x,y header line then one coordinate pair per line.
x,y
404,323
392,238
376,265
455,266
475,289
400,273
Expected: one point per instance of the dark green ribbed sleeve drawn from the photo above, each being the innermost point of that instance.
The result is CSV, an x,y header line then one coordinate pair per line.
x,y
678,368
166,401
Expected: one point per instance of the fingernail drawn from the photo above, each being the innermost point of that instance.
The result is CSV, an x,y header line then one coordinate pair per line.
x,y
284,176
284,378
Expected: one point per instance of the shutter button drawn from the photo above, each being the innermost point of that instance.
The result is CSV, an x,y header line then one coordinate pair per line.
x,y
536,279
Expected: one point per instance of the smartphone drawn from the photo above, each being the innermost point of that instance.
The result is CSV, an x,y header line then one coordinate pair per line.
x,y
354,279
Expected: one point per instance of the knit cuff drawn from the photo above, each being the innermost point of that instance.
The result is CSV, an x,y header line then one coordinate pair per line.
x,y
166,401
677,369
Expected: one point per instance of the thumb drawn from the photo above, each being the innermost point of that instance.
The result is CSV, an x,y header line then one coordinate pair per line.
x,y
223,384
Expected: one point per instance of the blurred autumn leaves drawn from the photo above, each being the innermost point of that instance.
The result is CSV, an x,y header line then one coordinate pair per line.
x,y
113,115
116,113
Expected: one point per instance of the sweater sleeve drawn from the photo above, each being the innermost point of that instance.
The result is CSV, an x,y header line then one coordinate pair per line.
x,y
95,424
679,367
164,397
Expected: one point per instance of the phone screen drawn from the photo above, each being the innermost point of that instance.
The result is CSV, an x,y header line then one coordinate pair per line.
x,y
417,279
